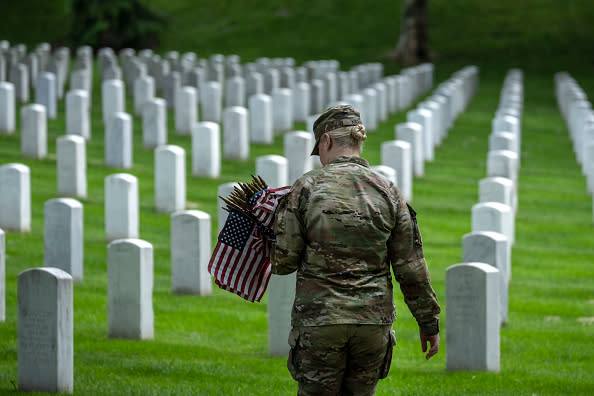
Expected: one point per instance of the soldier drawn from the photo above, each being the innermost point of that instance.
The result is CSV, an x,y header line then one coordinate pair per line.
x,y
341,227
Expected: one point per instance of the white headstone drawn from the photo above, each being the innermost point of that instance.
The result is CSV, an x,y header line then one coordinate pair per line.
x,y
274,169
211,100
144,90
317,103
118,141
33,131
154,124
130,289
301,101
424,118
382,100
113,99
497,189
494,216
435,110
392,94
503,141
503,163
490,248
235,92
282,109
71,166
472,320
190,252
331,87
63,236
121,206
236,143
260,109
281,295
399,88
186,111
369,111
170,179
412,133
254,84
45,331
281,289
223,191
387,172
46,94
15,198
171,88
206,149
271,81
397,154
445,115
81,79
506,123
7,108
298,146
77,113
20,79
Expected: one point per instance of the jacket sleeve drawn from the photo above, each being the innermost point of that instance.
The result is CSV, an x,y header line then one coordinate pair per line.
x,y
289,247
405,250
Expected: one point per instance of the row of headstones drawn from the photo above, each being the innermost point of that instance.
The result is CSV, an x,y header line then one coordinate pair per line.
x,y
271,112
477,289
426,127
276,171
22,69
321,83
169,177
239,81
45,304
236,133
579,117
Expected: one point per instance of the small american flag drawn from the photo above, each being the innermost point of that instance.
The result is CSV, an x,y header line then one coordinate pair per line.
x,y
240,262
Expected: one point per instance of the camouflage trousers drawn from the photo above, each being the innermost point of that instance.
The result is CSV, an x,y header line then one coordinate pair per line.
x,y
342,360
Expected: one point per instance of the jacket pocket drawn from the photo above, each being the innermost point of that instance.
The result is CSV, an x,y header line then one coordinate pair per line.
x,y
416,232
292,359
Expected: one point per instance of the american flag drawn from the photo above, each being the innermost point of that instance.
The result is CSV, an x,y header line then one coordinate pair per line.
x,y
240,262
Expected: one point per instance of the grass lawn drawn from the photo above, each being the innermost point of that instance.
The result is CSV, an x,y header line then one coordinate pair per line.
x,y
218,344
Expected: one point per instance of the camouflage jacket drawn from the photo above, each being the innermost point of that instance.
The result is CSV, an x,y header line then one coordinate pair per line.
x,y
340,227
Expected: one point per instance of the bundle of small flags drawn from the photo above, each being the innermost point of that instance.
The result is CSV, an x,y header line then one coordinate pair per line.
x,y
240,262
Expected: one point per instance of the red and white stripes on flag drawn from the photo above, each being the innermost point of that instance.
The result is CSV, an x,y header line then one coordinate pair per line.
x,y
240,262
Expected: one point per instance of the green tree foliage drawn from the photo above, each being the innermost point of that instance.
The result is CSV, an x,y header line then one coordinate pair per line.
x,y
114,23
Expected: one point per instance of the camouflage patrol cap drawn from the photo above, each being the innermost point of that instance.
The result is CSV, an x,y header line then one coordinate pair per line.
x,y
333,118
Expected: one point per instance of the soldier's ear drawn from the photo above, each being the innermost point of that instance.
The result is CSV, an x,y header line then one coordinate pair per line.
x,y
328,141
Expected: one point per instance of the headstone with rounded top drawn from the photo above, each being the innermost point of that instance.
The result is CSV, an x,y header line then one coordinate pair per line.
x,y
71,166
190,252
130,289
45,331
472,320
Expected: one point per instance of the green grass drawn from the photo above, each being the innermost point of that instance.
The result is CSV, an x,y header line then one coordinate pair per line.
x,y
218,344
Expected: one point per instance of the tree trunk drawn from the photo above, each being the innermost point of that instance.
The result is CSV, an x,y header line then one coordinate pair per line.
x,y
413,44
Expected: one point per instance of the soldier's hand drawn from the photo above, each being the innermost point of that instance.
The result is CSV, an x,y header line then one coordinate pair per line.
x,y
433,342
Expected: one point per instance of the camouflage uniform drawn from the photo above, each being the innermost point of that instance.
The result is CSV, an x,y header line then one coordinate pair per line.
x,y
340,227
